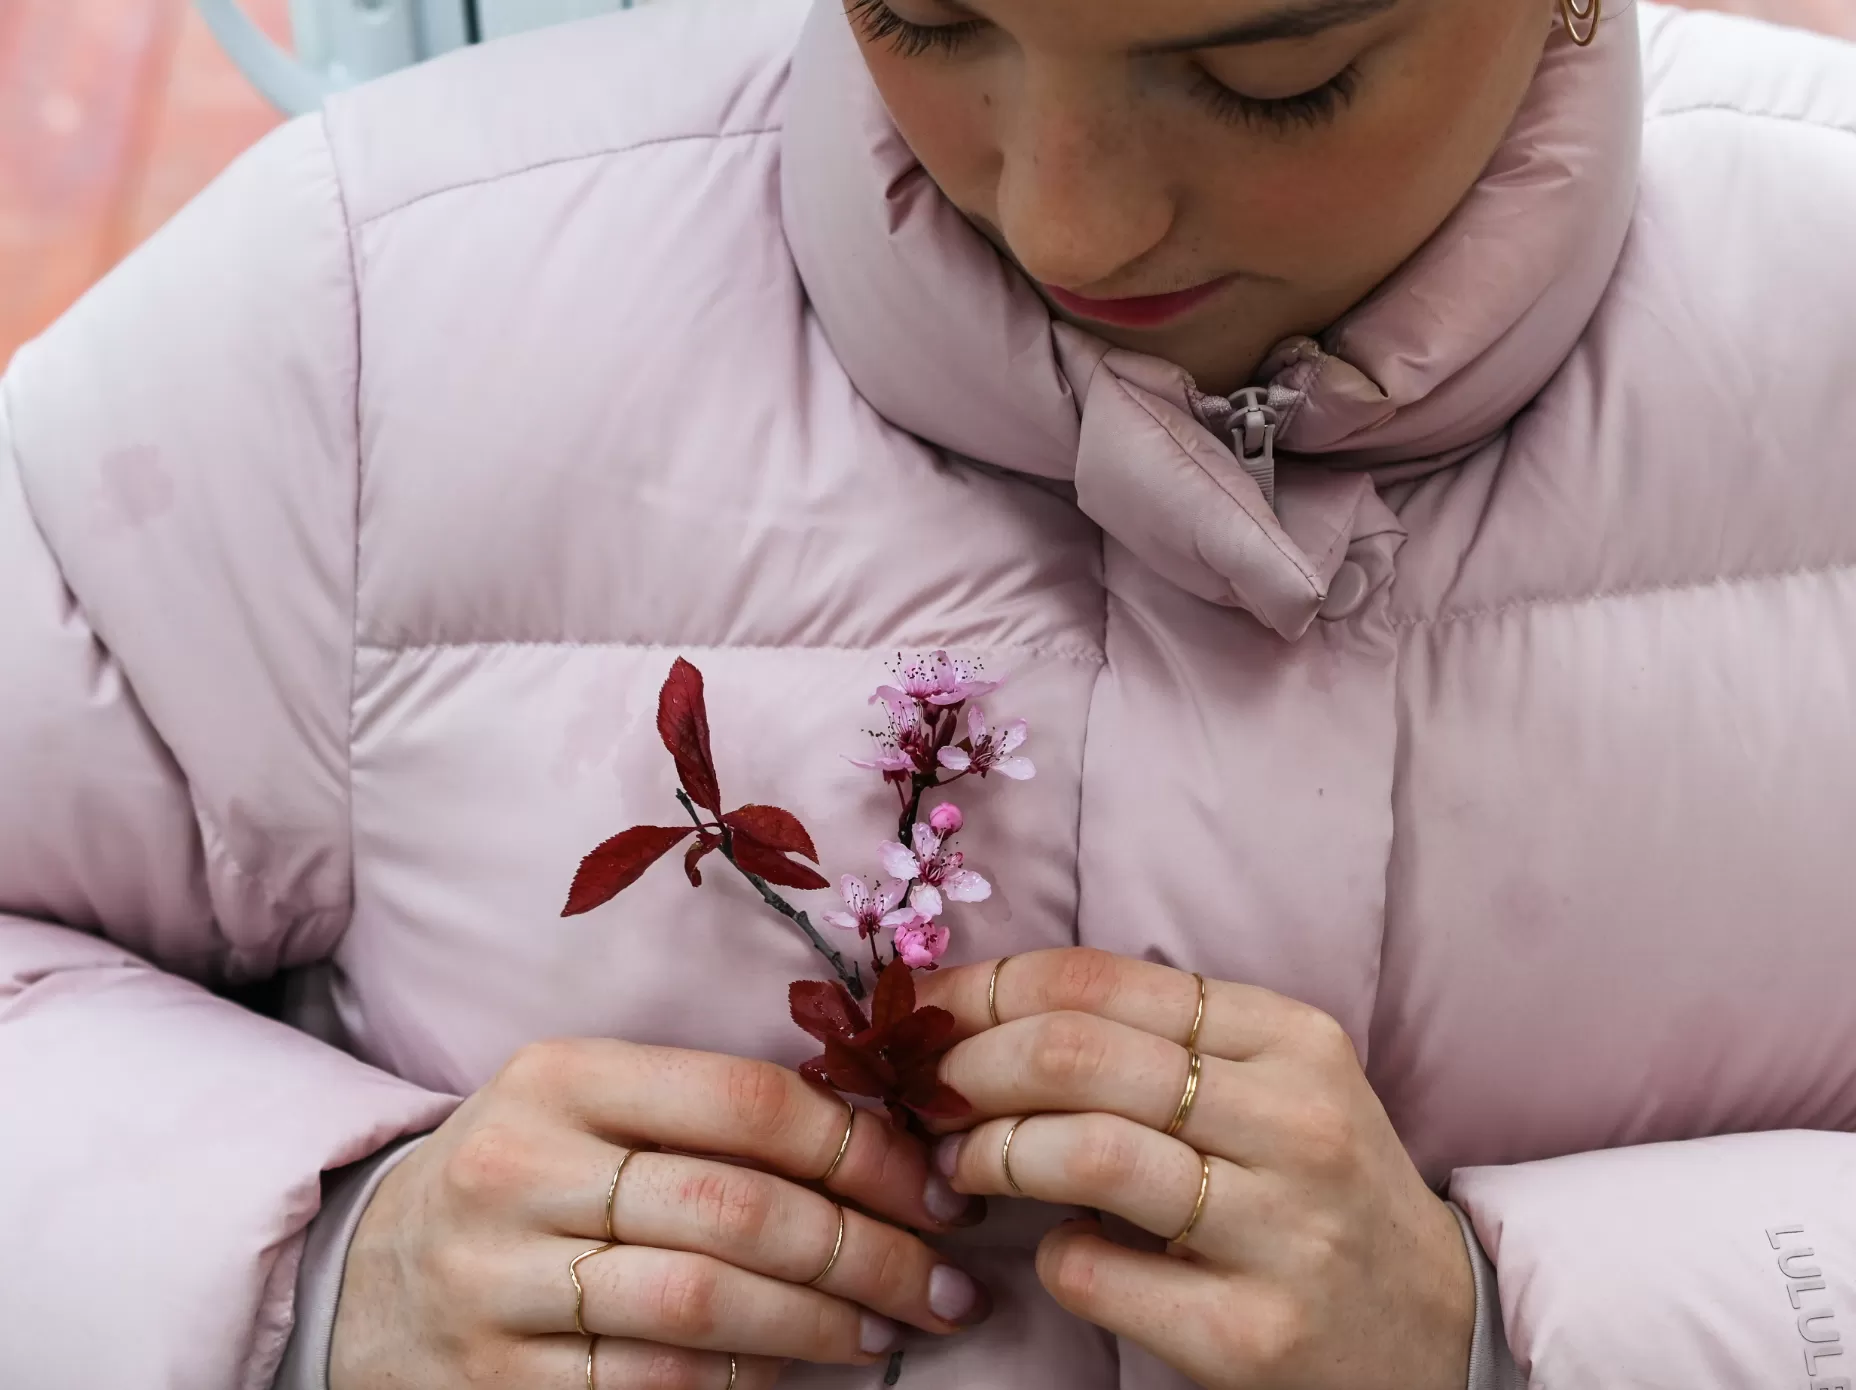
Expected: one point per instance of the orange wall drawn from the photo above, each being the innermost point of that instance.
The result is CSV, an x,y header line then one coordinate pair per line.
x,y
113,113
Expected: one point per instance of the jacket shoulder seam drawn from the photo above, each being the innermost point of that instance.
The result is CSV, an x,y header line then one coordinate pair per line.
x,y
605,152
1528,605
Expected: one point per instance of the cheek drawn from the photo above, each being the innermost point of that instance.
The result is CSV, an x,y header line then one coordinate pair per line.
x,y
945,112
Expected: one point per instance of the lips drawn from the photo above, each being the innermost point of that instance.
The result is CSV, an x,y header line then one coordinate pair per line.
x,y
1144,311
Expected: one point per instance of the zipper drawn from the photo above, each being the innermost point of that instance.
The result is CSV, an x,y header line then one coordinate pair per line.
x,y
1247,423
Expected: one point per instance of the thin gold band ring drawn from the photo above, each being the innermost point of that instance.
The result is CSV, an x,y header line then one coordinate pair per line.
x,y
844,1144
837,1249
1198,1207
573,1273
592,1345
612,1188
734,1369
1198,1016
1005,1154
1188,1096
992,990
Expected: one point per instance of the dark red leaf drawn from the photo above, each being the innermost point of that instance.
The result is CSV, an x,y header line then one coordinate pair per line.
x,y
895,997
763,860
844,1070
825,1009
928,1031
683,724
694,857
619,863
774,828
938,1102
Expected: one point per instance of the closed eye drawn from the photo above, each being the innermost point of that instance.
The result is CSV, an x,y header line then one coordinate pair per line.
x,y
880,24
1305,110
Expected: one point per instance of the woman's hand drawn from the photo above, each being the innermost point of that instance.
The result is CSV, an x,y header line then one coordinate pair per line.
x,y
459,1273
1319,1259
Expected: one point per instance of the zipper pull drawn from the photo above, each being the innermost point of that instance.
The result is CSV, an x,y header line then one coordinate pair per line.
x,y
1247,422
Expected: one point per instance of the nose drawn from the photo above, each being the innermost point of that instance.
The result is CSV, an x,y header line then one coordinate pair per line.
x,y
1079,200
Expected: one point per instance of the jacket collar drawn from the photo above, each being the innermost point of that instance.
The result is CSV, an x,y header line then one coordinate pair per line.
x,y
946,340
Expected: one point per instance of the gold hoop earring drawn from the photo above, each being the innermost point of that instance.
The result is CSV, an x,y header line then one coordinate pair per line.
x,y
1574,15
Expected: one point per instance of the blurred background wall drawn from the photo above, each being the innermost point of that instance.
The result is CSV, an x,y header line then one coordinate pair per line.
x,y
113,113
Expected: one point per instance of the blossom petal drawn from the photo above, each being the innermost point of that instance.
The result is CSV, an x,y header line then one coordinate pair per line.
x,y
843,921
1012,735
921,946
1017,769
898,862
926,899
976,724
927,842
901,917
965,886
890,892
955,759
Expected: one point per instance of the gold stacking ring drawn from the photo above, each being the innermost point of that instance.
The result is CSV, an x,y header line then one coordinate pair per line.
x,y
734,1369
992,990
573,1273
612,1188
1198,1207
1189,1095
1198,1016
844,1144
837,1249
1005,1154
592,1345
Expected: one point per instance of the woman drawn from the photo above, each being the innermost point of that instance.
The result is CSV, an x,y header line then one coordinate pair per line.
x,y
1397,451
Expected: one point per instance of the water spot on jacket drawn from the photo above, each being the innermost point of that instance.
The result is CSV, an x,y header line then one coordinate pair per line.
x,y
607,713
134,487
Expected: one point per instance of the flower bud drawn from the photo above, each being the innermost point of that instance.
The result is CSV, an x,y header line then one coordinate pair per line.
x,y
945,819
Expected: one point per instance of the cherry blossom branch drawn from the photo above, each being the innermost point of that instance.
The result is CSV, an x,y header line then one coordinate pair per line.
x,y
847,974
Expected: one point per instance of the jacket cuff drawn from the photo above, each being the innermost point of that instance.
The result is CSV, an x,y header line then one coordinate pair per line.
x,y
1491,1364
345,1195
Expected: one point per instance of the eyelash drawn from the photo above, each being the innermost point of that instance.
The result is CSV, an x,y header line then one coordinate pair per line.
x,y
1306,110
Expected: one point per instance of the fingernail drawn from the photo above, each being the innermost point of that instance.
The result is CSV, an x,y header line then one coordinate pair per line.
x,y
947,1154
956,1297
878,1335
943,1203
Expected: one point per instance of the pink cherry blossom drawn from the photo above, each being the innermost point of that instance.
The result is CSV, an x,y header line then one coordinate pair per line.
x,y
934,871
988,750
946,818
906,746
872,905
921,943
939,679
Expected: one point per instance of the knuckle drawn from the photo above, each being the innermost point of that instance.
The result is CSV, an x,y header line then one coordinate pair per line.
x,y
759,1097
541,1070
1274,1338
458,1273
1084,979
485,1361
1107,1157
1320,1035
687,1301
1066,1052
488,1163
732,1209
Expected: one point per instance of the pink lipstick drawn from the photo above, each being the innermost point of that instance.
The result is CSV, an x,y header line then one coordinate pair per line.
x,y
1144,311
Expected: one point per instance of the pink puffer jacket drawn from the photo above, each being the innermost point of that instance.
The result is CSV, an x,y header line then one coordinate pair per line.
x,y
348,530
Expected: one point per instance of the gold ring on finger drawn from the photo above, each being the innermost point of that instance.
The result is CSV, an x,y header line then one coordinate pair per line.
x,y
1189,1096
573,1273
612,1188
1198,1207
1198,1016
1005,1154
992,990
734,1370
844,1144
837,1249
592,1345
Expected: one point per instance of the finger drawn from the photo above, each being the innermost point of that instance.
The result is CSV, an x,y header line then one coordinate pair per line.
x,y
619,1364
703,1102
696,1302
1108,1163
1171,1307
763,1223
1239,1022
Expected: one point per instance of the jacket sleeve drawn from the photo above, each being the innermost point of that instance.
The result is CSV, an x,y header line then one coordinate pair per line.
x,y
1728,1261
177,560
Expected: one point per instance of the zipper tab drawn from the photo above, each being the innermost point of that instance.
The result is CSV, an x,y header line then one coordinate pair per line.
x,y
1247,422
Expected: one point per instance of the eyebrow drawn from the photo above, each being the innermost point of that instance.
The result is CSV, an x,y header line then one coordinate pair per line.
x,y
1288,22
